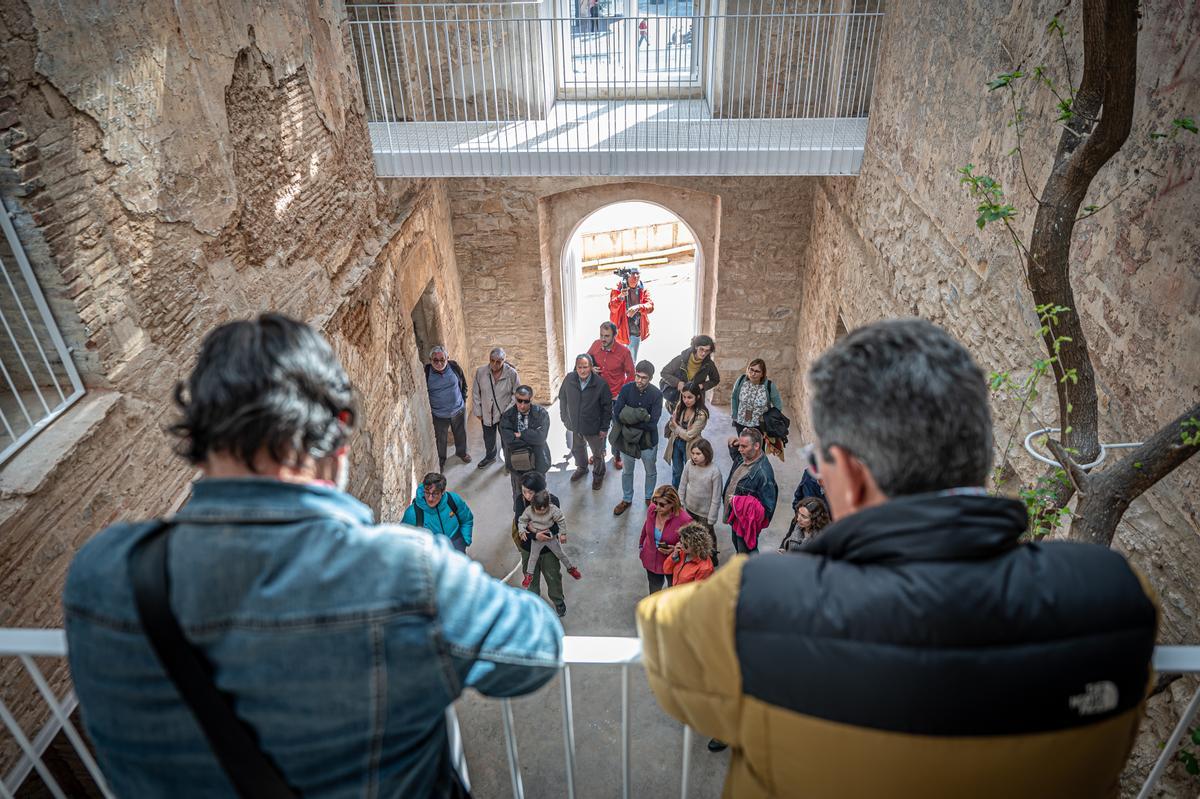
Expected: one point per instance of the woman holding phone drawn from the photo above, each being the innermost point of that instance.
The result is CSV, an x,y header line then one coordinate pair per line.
x,y
660,533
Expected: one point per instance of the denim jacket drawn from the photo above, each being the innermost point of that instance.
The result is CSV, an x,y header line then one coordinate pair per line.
x,y
341,643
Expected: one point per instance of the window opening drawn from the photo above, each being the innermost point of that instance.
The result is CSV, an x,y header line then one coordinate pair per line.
x,y
38,379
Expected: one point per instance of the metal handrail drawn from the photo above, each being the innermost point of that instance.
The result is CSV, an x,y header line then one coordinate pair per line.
x,y
578,650
449,87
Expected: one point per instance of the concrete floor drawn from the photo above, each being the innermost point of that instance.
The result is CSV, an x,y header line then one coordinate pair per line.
x,y
602,603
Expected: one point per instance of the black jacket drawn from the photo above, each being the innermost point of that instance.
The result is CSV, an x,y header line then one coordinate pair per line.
x,y
920,630
533,437
676,370
588,412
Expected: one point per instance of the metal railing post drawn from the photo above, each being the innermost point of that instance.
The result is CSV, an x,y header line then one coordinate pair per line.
x,y
568,731
625,750
510,741
687,762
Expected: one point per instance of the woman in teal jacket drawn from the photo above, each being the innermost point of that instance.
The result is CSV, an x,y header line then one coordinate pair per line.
x,y
441,512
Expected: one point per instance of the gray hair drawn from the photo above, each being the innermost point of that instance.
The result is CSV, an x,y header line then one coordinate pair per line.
x,y
497,352
584,355
438,348
755,435
907,400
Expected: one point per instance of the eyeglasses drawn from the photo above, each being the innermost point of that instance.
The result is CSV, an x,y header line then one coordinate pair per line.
x,y
814,467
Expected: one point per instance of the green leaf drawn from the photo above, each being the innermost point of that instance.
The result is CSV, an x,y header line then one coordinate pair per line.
x,y
1004,80
1064,111
1195,734
1054,26
1185,123
1137,464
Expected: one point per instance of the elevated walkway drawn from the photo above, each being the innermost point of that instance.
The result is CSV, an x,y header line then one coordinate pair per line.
x,y
654,137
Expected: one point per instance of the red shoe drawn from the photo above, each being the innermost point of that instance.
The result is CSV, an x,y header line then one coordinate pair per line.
x,y
574,572
617,462
526,581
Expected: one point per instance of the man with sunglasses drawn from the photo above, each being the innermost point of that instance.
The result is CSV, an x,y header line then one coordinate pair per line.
x,y
967,661
523,430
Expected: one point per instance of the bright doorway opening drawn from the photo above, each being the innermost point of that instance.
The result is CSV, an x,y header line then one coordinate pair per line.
x,y
664,250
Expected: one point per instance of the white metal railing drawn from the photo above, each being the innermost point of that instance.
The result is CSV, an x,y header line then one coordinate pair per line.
x,y
544,77
38,379
623,652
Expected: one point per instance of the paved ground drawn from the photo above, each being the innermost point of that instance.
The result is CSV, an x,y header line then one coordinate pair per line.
x,y
602,603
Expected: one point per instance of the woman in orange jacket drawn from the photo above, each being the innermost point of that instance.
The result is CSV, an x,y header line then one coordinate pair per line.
x,y
691,560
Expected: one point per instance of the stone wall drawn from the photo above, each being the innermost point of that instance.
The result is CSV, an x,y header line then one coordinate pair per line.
x,y
173,167
752,232
901,240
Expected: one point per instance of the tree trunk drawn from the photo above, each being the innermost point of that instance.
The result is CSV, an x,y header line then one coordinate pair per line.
x,y
1101,121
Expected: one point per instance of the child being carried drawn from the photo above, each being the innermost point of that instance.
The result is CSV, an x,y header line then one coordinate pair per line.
x,y
539,516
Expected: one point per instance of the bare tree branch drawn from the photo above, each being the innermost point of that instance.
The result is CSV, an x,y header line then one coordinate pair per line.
x,y
1079,478
1110,491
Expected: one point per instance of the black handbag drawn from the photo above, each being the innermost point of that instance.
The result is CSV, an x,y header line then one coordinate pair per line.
x,y
233,741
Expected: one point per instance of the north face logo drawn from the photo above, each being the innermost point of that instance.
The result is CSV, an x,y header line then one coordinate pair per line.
x,y
1098,697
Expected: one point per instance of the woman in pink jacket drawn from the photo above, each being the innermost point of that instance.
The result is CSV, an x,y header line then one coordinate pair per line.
x,y
660,533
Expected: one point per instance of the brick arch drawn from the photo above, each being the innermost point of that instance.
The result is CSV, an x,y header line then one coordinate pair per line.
x,y
560,216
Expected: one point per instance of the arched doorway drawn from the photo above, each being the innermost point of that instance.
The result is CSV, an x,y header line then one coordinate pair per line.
x,y
604,245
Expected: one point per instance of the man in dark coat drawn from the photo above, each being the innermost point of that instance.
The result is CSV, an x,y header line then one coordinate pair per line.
x,y
926,631
752,475
640,395
523,429
585,406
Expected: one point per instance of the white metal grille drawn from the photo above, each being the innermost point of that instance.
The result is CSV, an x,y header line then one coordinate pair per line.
x,y
38,380
713,87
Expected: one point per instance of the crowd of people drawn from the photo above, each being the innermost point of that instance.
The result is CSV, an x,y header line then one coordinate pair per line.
x,y
607,403
284,644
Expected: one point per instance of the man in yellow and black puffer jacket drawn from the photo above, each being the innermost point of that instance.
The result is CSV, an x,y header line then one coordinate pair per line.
x,y
915,648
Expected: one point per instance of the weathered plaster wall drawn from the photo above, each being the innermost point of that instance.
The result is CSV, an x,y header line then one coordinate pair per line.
x,y
174,166
901,240
754,234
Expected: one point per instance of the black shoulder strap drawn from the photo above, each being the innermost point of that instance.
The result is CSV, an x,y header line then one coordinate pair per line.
x,y
232,741
452,503
419,513
428,369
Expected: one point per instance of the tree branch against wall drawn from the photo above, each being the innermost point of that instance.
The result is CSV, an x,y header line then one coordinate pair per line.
x,y
1096,118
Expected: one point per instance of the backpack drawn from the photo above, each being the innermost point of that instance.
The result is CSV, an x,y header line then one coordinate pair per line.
x,y
419,512
774,424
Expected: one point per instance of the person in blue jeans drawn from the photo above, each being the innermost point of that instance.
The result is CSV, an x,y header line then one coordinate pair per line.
x,y
339,642
640,395
441,512
684,428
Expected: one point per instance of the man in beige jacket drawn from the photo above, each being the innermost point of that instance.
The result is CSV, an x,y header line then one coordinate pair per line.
x,y
495,384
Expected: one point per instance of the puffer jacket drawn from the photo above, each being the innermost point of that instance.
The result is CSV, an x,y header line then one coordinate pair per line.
x,y
929,642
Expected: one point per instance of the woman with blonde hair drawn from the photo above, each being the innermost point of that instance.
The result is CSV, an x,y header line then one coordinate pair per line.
x,y
660,534
691,560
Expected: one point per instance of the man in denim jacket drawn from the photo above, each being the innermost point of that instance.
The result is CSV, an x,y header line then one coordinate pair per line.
x,y
340,642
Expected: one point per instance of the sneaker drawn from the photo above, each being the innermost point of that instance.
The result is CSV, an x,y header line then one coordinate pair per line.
x,y
617,462
465,457
487,461
597,481
574,572
622,506
717,746
579,474
561,608
526,580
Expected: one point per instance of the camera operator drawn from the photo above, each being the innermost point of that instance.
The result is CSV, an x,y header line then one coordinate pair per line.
x,y
629,308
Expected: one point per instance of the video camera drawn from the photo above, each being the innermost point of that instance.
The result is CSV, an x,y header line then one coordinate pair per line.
x,y
625,272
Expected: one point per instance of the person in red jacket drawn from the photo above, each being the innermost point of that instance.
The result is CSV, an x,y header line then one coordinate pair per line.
x,y
629,308
612,361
